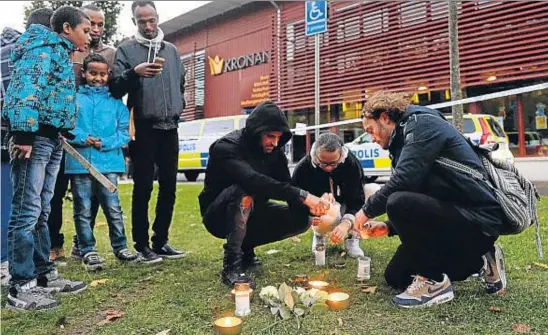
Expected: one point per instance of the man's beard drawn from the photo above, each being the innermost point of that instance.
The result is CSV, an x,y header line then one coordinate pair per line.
x,y
93,44
386,134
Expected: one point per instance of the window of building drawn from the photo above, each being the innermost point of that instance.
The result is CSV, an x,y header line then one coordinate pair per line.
x,y
375,22
412,13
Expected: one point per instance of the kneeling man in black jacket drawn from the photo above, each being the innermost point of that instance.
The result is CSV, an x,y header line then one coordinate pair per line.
x,y
447,221
245,169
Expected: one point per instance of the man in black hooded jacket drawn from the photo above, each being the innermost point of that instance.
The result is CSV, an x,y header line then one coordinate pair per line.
x,y
245,169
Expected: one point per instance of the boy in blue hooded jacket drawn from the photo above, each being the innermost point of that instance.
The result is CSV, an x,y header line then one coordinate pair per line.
x,y
39,104
102,129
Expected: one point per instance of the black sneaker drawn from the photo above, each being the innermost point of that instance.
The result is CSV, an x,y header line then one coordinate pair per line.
x,y
147,256
125,255
170,252
250,260
93,262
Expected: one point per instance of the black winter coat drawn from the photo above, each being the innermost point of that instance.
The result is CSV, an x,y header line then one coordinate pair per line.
x,y
424,135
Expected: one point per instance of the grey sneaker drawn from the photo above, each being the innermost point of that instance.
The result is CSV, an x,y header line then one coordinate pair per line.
x,y
93,262
493,273
30,297
125,255
52,282
352,246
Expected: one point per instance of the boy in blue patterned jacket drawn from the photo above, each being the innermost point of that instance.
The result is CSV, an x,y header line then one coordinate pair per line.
x,y
39,104
102,129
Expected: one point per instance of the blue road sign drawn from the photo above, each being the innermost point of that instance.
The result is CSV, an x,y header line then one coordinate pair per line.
x,y
316,17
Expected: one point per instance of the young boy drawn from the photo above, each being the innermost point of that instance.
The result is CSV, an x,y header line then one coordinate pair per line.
x,y
102,129
40,104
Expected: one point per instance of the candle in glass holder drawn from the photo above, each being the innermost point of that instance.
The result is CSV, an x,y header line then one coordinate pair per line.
x,y
364,268
338,300
228,325
318,284
242,299
320,254
233,292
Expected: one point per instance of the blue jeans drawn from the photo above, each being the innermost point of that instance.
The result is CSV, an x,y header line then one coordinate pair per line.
x,y
85,191
33,183
7,193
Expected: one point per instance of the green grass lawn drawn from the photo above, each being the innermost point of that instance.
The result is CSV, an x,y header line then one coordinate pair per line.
x,y
186,295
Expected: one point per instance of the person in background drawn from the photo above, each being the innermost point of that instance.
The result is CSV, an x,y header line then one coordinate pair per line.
x,y
332,172
148,67
8,39
55,221
101,131
40,104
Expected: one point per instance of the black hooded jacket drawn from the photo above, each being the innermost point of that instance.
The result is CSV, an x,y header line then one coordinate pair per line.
x,y
238,159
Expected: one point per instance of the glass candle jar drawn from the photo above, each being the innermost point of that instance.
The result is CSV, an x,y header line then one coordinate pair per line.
x,y
242,299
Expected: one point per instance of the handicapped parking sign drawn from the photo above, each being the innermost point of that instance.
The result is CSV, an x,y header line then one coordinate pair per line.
x,y
316,17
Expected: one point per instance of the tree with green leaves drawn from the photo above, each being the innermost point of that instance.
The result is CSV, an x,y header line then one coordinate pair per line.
x,y
111,9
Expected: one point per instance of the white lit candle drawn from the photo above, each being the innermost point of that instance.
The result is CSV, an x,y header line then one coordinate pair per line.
x,y
318,284
242,299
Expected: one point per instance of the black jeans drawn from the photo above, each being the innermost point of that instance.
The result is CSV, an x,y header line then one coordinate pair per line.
x,y
55,219
153,147
435,239
268,221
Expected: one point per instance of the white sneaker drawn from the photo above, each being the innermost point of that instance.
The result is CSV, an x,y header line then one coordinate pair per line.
x,y
5,274
352,246
317,239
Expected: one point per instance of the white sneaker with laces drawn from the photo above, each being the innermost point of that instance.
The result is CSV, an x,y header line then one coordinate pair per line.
x,y
352,246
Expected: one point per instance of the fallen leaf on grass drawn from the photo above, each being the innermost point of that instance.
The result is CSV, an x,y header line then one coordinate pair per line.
x,y
192,225
343,254
369,289
110,316
340,322
540,265
295,239
96,282
496,309
272,252
165,332
520,328
287,265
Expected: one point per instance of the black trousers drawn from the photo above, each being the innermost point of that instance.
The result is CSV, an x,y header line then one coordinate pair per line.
x,y
153,147
435,239
268,221
55,219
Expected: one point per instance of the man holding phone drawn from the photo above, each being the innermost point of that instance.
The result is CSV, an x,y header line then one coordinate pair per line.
x,y
150,71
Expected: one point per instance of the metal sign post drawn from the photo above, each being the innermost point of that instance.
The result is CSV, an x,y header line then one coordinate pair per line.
x,y
317,84
316,23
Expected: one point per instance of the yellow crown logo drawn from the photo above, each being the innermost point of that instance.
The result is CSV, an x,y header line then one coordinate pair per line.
x,y
215,65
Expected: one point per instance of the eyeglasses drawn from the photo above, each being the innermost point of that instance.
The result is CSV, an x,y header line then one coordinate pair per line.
x,y
331,164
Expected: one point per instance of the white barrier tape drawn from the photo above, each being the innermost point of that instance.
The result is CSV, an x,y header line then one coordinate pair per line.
x,y
484,97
